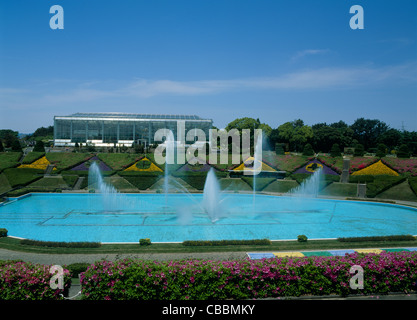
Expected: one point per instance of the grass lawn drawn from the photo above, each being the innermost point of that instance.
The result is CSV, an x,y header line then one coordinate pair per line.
x,y
117,160
338,189
401,191
22,176
234,184
50,182
9,159
32,156
4,183
64,160
281,186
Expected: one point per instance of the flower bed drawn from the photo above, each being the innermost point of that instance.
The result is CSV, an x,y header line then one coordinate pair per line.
x,y
143,165
378,168
247,279
41,163
27,281
85,166
403,165
359,163
314,165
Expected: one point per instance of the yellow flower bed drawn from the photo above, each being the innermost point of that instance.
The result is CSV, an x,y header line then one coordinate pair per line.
x,y
248,161
41,163
377,168
152,167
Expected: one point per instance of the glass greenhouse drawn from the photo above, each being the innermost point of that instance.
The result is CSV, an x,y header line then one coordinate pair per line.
x,y
110,129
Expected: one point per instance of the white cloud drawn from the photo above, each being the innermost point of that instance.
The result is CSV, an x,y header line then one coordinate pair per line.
x,y
308,52
317,79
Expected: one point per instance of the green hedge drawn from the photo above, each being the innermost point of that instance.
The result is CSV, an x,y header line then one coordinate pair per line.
x,y
379,238
76,268
412,181
56,244
226,242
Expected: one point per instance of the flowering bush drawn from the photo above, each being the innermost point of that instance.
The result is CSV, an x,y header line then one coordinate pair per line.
x,y
246,279
27,281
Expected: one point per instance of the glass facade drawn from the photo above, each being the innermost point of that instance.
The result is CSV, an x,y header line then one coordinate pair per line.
x,y
107,129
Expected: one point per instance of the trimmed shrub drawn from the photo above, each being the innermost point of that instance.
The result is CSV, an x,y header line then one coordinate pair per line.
x,y
145,242
76,268
359,150
335,150
3,232
381,150
279,149
302,238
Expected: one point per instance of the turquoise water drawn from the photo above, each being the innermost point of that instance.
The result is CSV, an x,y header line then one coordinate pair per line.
x,y
179,217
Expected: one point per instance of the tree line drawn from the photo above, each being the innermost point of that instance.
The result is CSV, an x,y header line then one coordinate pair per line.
x,y
370,135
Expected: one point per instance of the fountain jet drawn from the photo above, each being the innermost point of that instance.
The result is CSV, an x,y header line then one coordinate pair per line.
x,y
211,197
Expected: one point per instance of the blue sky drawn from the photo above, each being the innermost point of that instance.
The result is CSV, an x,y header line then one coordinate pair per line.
x,y
221,59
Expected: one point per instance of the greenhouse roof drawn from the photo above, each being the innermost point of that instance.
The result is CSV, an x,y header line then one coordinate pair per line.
x,y
119,115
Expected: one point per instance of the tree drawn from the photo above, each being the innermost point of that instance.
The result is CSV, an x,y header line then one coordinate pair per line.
x,y
43,132
251,124
391,138
243,123
403,151
335,150
367,131
325,136
16,146
295,133
1,146
39,146
381,150
8,136
308,150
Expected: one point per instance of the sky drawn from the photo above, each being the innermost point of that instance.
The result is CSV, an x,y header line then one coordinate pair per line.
x,y
219,59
